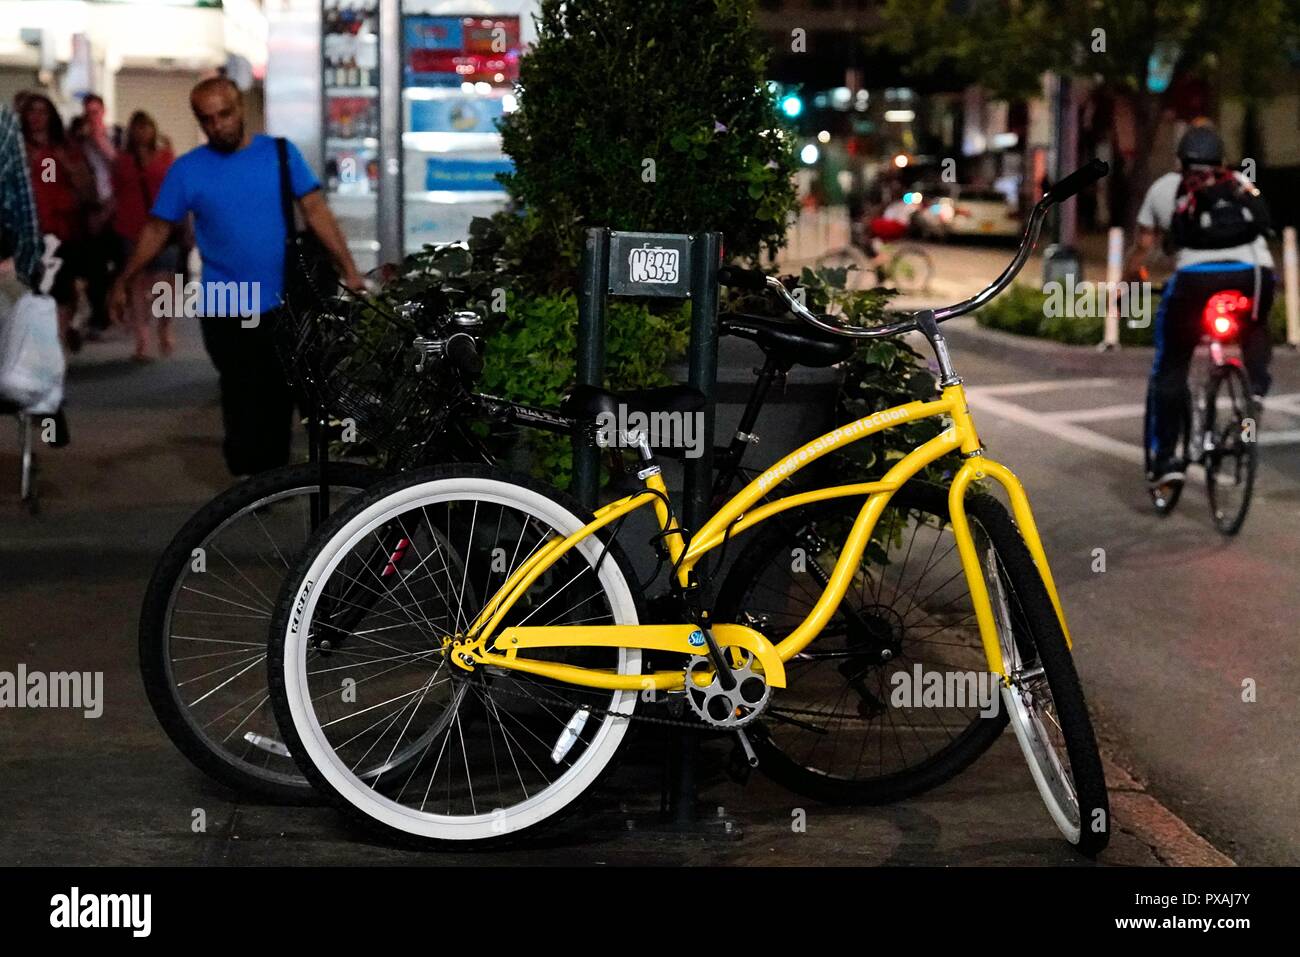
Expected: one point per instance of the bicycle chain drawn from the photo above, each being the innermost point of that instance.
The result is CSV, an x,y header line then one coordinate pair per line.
x,y
695,725
597,710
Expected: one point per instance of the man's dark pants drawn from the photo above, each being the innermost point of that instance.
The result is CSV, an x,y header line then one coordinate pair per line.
x,y
1179,327
101,260
256,402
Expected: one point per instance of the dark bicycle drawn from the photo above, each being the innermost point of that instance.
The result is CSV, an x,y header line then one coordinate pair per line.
x,y
204,620
1219,429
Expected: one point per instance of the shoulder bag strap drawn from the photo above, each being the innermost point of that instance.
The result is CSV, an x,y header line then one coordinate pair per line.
x,y
286,189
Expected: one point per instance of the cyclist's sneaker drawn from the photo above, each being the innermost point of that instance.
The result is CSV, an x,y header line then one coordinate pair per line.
x,y
1165,472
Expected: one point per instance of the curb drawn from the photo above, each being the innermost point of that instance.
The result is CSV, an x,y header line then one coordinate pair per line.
x,y
1167,835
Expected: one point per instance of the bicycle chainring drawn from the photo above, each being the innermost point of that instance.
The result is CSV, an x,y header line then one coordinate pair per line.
x,y
718,707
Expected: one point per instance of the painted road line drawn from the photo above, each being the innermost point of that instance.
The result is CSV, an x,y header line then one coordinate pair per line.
x,y
1046,385
1075,435
1280,437
1288,404
1131,410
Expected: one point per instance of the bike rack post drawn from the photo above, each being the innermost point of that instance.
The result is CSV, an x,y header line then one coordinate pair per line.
x,y
591,355
661,265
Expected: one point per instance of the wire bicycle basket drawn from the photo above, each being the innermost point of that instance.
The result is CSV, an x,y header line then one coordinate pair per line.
x,y
352,358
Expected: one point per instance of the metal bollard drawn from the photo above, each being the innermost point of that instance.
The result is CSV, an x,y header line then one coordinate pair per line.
x,y
1114,269
1291,279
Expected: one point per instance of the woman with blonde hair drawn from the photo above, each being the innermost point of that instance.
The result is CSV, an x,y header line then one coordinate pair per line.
x,y
138,173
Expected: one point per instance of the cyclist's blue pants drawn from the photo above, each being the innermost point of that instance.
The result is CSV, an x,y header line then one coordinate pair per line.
x,y
1179,328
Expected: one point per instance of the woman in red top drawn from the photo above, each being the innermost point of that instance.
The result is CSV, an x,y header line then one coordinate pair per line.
x,y
138,173
64,190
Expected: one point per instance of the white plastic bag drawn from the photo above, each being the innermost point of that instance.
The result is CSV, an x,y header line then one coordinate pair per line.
x,y
31,357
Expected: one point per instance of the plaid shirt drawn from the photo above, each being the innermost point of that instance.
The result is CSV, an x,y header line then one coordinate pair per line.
x,y
19,232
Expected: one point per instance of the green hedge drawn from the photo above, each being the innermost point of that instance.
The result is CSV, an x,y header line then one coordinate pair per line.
x,y
1022,310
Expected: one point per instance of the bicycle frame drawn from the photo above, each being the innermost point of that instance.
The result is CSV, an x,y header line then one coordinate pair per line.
x,y
734,517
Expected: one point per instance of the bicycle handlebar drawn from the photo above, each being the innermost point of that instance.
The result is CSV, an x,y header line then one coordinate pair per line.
x,y
459,350
1074,182
754,279
462,354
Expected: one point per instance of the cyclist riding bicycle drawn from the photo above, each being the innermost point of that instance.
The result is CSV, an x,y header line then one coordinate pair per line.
x,y
1216,221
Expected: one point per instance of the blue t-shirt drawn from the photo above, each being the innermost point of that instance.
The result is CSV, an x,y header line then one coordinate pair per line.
x,y
238,221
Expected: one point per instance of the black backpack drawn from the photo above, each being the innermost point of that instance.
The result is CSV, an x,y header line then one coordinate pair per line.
x,y
1213,209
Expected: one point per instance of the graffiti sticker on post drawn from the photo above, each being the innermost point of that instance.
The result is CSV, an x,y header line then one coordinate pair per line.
x,y
650,264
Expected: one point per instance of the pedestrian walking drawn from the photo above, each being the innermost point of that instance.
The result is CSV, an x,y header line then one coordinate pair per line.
x,y
64,190
21,247
231,186
20,234
101,249
138,173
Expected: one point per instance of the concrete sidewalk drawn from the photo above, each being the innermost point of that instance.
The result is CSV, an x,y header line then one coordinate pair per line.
x,y
113,790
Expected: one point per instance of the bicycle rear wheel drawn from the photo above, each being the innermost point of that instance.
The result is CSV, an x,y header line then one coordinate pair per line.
x,y
205,622
856,264
840,732
490,752
910,269
1231,454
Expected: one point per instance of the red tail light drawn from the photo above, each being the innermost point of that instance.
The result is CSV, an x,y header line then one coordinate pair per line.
x,y
1223,310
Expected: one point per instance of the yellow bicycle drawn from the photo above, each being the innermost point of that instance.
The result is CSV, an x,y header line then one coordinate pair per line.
x,y
483,637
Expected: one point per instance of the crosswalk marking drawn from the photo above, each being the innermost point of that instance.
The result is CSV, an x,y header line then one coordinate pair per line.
x,y
1044,385
1067,425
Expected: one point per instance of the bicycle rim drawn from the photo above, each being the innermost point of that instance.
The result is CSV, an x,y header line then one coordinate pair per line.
x,y
885,703
217,623
1044,702
499,750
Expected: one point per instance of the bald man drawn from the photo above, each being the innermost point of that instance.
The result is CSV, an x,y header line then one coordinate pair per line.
x,y
231,185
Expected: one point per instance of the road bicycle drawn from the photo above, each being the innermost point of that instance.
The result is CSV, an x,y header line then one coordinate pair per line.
x,y
498,671
208,605
1218,428
902,265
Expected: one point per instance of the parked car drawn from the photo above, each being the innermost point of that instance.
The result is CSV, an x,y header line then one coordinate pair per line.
x,y
966,211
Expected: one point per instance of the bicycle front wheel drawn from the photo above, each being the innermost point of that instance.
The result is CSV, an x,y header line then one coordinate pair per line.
x,y
1229,446
1043,698
490,752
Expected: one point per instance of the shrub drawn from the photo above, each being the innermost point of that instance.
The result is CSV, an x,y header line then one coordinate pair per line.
x,y
1020,310
612,84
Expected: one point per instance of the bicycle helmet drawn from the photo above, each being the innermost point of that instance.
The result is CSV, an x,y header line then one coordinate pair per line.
x,y
1202,146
